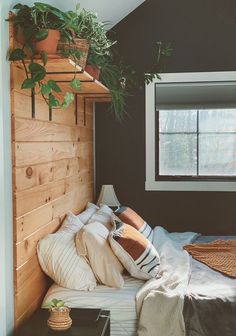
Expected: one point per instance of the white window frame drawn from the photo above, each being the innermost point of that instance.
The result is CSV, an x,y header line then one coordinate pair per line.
x,y
151,183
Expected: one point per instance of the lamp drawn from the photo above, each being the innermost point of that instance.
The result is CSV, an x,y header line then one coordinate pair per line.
x,y
108,196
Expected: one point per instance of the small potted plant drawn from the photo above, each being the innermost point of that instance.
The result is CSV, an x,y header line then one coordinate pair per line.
x,y
59,318
87,33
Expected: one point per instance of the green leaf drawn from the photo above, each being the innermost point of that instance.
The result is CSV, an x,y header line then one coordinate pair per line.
x,y
53,85
28,84
37,71
41,6
75,84
53,302
53,102
45,89
44,57
60,303
41,35
68,99
17,55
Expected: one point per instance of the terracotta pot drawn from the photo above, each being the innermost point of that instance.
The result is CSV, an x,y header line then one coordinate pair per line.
x,y
93,71
59,319
49,44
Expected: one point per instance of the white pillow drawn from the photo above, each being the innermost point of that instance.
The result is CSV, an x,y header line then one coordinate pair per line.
x,y
106,267
88,212
59,260
103,215
71,224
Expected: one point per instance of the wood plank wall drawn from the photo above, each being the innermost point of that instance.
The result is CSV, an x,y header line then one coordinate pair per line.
x,y
52,173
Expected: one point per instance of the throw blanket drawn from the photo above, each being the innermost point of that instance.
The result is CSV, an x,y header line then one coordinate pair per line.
x,y
162,300
219,255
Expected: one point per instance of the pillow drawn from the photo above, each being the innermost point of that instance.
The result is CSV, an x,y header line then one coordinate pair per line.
x,y
59,260
134,251
71,224
103,215
105,265
129,216
88,212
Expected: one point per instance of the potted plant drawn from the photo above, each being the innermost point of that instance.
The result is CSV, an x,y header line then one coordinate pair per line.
x,y
39,27
59,318
36,26
87,33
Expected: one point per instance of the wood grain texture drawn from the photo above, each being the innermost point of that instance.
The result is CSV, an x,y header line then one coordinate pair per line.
x,y
52,174
33,153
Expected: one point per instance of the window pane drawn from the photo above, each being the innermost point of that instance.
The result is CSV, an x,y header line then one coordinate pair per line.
x,y
217,154
222,120
178,154
177,121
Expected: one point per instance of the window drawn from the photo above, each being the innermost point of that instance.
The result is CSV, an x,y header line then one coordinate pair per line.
x,y
191,132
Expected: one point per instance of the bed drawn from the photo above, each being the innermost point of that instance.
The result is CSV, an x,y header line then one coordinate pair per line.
x,y
193,309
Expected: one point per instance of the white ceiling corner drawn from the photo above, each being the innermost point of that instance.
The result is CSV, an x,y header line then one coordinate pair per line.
x,y
112,11
107,10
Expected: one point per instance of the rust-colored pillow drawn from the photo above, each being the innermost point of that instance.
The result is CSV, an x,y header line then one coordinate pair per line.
x,y
135,252
129,216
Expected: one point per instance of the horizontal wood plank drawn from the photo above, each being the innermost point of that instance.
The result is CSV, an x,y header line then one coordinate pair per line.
x,y
36,290
30,310
24,273
27,248
74,200
34,153
31,130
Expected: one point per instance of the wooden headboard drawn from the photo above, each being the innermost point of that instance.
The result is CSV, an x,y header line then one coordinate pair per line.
x,y
52,154
52,173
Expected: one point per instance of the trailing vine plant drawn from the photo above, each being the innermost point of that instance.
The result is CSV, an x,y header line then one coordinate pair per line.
x,y
33,23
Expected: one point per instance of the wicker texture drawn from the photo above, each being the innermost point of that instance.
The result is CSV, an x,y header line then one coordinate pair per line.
x,y
219,255
81,45
59,320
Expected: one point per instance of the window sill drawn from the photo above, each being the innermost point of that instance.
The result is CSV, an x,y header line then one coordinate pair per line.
x,y
189,186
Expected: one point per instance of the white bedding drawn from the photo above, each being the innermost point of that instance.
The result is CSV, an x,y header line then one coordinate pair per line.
x,y
120,302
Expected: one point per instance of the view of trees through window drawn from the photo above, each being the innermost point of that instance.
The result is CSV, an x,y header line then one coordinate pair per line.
x,y
196,143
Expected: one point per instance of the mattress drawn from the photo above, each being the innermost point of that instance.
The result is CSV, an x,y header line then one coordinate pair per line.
x,y
120,302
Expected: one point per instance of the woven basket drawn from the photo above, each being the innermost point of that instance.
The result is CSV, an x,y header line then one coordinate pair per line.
x,y
59,320
81,45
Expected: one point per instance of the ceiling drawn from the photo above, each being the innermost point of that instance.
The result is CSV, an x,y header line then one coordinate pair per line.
x,y
107,10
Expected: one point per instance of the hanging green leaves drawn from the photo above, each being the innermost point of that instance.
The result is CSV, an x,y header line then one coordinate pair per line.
x,y
68,99
17,55
28,84
75,84
53,85
38,72
53,102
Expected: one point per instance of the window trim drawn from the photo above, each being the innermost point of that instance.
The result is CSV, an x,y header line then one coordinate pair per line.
x,y
185,184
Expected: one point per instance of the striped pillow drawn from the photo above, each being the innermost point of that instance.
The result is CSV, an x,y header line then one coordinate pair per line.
x,y
134,251
129,216
59,260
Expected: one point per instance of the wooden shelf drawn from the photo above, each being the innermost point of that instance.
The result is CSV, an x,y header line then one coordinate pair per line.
x,y
62,70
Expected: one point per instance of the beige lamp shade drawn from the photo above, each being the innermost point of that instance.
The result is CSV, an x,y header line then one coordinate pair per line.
x,y
107,196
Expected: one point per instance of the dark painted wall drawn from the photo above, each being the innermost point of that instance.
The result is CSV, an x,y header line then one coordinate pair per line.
x,y
203,36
